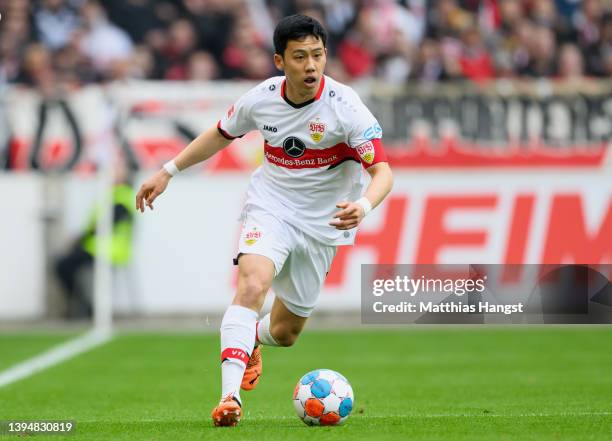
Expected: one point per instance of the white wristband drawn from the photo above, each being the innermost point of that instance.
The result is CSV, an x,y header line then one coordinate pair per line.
x,y
365,204
171,168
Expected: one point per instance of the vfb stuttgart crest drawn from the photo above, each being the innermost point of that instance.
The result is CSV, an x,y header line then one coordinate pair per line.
x,y
366,152
317,130
252,236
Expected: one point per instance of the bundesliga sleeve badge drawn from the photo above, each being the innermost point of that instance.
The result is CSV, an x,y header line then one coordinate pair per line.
x,y
317,130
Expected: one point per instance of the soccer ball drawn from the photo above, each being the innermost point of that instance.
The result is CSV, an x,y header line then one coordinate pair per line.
x,y
323,397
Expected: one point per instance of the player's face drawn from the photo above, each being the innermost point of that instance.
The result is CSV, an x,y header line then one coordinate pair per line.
x,y
303,63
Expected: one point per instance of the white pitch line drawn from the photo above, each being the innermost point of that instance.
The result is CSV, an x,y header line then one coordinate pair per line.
x,y
53,356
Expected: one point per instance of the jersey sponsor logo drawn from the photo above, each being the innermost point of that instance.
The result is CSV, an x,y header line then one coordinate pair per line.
x,y
294,147
301,163
270,128
312,158
251,237
230,112
372,132
317,129
366,152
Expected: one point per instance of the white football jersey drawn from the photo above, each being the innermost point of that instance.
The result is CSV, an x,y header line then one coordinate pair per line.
x,y
315,153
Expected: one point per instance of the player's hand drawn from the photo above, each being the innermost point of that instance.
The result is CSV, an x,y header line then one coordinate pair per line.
x,y
153,187
348,217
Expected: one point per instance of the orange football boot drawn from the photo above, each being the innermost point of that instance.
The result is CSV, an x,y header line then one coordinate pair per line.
x,y
227,413
253,370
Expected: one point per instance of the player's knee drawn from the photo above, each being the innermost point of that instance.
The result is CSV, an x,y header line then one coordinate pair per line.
x,y
284,336
251,291
286,340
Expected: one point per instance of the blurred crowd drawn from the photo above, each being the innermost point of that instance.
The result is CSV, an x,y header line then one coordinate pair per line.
x,y
74,42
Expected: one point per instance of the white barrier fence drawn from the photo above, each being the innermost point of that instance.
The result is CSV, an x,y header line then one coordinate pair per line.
x,y
183,250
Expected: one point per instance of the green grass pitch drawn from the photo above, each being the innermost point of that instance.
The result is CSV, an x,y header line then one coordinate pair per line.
x,y
544,383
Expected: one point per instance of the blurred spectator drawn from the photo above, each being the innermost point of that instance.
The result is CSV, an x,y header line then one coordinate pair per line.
x,y
339,14
244,43
335,69
430,65
521,45
76,42
395,65
10,61
213,21
72,66
447,19
511,39
258,65
54,22
475,61
142,63
605,46
571,64
136,17
542,54
37,67
588,22
567,8
181,43
103,42
511,13
358,50
202,67
116,249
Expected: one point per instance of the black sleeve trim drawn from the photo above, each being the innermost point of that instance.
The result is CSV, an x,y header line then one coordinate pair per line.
x,y
225,134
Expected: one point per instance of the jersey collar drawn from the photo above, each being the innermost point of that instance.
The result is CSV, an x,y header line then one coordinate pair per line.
x,y
305,103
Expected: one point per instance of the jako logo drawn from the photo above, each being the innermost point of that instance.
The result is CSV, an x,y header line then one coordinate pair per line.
x,y
270,128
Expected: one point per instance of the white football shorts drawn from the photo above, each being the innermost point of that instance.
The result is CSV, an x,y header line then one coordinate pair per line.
x,y
301,262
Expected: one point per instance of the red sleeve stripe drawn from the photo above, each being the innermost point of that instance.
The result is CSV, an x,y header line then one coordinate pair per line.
x,y
379,153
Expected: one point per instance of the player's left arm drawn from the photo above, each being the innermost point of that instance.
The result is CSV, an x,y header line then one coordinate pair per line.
x,y
352,213
364,135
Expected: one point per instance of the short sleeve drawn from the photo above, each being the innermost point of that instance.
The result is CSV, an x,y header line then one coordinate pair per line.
x,y
364,135
238,119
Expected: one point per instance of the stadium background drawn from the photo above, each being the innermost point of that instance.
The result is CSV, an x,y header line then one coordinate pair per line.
x,y
497,119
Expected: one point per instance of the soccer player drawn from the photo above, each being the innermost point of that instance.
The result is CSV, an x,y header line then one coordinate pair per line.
x,y
305,200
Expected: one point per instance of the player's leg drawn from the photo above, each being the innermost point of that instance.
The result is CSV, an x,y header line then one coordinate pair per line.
x,y
255,274
297,289
264,246
280,327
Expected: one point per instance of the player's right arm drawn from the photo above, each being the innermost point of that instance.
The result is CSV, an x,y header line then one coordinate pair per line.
x,y
235,123
203,147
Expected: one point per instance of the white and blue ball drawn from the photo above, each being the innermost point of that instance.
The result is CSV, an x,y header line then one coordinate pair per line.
x,y
323,398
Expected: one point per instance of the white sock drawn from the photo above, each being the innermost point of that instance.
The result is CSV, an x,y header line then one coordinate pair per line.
x,y
230,373
263,332
237,340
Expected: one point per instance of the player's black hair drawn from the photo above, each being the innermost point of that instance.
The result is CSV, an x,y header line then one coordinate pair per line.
x,y
296,27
